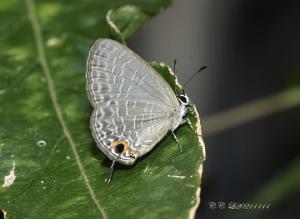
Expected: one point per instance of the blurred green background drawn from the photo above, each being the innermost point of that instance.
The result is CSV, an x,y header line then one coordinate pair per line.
x,y
248,98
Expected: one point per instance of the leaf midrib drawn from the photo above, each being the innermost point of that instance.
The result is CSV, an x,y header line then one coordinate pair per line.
x,y
52,92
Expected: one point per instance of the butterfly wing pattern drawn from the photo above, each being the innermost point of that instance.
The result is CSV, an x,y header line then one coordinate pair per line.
x,y
132,103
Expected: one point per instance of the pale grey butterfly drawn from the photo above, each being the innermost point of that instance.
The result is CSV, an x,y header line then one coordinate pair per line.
x,y
134,107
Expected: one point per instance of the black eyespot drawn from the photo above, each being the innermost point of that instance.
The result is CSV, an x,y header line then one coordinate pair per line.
x,y
119,148
182,98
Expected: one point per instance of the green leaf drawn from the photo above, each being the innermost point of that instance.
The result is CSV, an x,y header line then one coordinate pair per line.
x,y
50,165
125,21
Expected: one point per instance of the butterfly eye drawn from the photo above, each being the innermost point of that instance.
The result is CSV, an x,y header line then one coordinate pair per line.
x,y
119,146
183,99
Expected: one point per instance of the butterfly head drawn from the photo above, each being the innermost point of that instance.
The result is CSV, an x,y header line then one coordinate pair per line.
x,y
183,99
121,152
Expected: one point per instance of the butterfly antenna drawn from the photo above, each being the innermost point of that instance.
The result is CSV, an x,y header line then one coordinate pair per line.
x,y
110,173
202,68
174,70
174,65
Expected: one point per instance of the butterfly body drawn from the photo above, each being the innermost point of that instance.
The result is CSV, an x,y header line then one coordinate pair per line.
x,y
134,107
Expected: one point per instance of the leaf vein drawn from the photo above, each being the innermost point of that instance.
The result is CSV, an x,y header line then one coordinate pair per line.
x,y
52,91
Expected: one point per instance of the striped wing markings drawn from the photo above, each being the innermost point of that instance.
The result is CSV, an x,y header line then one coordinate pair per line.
x,y
131,125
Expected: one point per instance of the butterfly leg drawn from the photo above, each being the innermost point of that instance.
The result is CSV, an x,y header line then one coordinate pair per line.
x,y
109,176
177,141
188,121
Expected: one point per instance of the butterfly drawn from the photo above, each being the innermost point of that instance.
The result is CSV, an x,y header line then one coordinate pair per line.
x,y
133,106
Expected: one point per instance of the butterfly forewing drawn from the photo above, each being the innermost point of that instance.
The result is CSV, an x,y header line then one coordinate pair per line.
x,y
113,69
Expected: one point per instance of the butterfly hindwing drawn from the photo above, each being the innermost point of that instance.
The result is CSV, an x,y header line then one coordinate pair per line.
x,y
141,125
